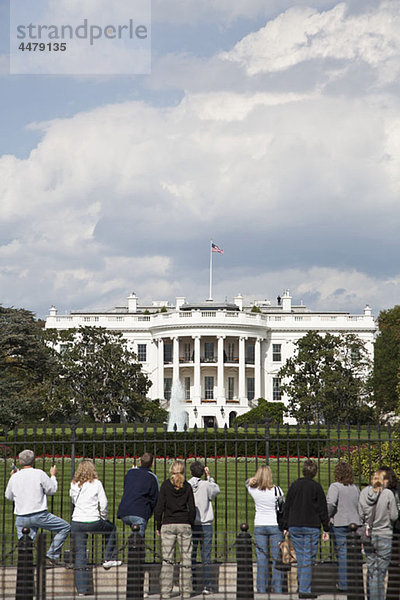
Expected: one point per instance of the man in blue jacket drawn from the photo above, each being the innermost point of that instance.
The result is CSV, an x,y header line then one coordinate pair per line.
x,y
140,494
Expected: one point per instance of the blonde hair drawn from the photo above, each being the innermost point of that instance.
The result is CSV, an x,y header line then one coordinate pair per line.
x,y
177,472
263,479
377,480
85,472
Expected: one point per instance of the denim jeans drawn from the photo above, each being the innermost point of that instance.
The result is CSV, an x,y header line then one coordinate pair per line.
x,y
340,543
378,559
79,533
48,521
134,520
265,536
202,536
305,541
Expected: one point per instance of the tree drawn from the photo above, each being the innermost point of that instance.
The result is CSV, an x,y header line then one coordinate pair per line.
x,y
27,366
387,362
275,410
327,380
99,376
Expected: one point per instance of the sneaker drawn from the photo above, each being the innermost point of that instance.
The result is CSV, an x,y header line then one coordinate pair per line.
x,y
51,563
111,563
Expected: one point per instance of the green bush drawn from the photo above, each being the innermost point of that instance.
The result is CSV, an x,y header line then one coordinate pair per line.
x,y
275,411
369,457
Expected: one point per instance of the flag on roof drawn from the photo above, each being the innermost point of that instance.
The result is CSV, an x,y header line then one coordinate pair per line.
x,y
216,248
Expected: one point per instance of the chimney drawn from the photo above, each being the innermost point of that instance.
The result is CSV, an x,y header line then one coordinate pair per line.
x,y
180,301
132,303
238,300
286,301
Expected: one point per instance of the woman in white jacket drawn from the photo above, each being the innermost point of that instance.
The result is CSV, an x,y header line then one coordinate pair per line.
x,y
90,515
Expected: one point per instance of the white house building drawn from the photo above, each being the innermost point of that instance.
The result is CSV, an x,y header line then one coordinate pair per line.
x,y
226,355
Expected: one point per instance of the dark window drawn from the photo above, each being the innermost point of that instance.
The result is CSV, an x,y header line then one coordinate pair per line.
x,y
167,352
209,388
142,352
187,388
277,352
276,388
250,388
231,388
209,350
167,388
250,353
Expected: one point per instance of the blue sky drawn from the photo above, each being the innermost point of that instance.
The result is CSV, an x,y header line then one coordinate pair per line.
x,y
271,126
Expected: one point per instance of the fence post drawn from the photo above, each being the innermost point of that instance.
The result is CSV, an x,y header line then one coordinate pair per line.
x,y
244,565
25,578
41,567
355,583
135,573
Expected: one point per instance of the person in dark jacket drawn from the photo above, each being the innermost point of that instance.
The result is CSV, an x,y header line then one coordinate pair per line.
x,y
304,512
140,494
175,514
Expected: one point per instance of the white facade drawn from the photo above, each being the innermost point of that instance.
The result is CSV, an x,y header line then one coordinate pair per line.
x,y
225,355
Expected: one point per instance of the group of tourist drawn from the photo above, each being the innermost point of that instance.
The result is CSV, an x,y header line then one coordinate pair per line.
x,y
182,509
184,515
306,509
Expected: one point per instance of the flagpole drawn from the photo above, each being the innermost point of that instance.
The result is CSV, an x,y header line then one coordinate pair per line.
x,y
210,297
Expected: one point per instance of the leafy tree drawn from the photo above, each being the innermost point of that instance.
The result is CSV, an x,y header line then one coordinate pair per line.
x,y
275,411
387,362
327,379
99,376
27,366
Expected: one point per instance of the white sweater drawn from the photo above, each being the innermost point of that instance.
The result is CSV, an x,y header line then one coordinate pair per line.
x,y
29,488
265,501
88,499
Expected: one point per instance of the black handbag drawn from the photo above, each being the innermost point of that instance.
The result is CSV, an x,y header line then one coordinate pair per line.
x,y
279,505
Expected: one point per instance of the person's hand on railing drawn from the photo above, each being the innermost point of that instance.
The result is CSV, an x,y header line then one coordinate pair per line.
x,y
325,536
158,532
53,471
285,532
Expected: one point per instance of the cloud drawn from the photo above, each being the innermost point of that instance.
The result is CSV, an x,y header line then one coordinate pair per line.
x,y
303,34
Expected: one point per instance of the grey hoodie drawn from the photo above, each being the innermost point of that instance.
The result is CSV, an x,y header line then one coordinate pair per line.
x,y
386,510
204,492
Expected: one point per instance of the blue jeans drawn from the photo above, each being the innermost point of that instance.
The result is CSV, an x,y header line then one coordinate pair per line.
x,y
305,541
265,536
80,534
202,536
378,559
340,543
48,521
133,520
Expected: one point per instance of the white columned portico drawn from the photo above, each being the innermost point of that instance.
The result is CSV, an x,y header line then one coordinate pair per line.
x,y
175,359
160,359
257,369
220,371
197,382
242,369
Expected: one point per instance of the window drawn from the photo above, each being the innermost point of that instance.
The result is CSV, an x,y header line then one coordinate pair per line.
x,y
231,352
231,388
276,388
187,355
167,388
167,352
250,388
187,388
250,353
277,352
63,349
209,388
209,351
142,352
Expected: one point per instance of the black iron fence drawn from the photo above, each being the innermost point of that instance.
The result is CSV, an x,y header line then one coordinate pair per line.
x,y
232,455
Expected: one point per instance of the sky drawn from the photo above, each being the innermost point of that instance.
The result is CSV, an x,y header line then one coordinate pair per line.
x,y
269,126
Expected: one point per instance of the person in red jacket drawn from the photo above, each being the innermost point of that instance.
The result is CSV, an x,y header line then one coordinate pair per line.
x,y
175,513
304,512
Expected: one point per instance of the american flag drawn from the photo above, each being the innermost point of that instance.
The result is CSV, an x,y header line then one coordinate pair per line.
x,y
215,248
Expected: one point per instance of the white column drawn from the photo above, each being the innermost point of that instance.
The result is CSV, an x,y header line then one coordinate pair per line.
x,y
257,369
161,368
197,382
242,370
175,359
220,372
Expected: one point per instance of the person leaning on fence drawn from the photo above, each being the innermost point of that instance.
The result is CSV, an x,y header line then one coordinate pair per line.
x,y
266,531
89,516
304,512
175,514
140,494
202,531
393,587
378,502
28,488
342,499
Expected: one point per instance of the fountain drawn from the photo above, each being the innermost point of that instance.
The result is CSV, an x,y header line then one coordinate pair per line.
x,y
177,412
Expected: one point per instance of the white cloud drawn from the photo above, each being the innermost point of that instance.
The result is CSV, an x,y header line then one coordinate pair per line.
x,y
303,34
